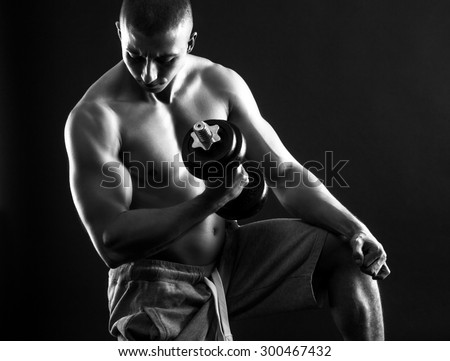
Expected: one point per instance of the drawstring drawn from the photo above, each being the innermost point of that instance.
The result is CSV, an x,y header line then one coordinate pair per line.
x,y
220,303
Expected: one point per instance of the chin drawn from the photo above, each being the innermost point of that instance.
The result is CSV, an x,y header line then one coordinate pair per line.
x,y
156,89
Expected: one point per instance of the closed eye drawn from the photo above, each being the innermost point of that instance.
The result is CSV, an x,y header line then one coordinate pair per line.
x,y
134,56
167,60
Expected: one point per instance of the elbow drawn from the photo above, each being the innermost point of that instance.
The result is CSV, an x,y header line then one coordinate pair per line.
x,y
114,234
110,238
110,262
112,255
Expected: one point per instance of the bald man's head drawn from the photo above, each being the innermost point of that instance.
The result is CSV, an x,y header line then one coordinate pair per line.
x,y
155,16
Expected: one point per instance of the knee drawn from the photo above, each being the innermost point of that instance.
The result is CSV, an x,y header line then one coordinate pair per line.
x,y
337,265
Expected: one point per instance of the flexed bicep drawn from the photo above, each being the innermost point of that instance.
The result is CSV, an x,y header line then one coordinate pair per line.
x,y
100,184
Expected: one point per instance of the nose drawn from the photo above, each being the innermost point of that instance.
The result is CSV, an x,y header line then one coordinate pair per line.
x,y
150,72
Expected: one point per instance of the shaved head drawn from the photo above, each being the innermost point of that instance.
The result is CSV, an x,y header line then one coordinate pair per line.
x,y
155,16
156,37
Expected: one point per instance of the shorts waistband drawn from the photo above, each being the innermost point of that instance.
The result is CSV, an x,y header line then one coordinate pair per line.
x,y
150,269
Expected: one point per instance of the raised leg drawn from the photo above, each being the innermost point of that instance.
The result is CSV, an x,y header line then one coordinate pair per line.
x,y
354,297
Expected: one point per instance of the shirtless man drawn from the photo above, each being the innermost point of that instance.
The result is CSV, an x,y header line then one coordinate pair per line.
x,y
138,112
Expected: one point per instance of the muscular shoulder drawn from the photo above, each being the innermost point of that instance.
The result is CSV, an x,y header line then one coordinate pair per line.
x,y
92,125
219,79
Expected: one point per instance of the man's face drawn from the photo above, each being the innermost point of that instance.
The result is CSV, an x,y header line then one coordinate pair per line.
x,y
155,60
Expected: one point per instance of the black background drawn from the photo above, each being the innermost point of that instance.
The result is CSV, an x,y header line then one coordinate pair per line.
x,y
367,80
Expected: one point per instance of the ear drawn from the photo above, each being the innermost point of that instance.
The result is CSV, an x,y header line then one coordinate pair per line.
x,y
191,42
119,33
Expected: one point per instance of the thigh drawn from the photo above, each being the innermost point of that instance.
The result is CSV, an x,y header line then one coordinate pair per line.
x,y
157,300
267,267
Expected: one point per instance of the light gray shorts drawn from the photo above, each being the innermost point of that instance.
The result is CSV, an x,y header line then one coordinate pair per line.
x,y
266,267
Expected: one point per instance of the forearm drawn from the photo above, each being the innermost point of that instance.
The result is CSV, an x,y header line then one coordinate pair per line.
x,y
140,233
310,200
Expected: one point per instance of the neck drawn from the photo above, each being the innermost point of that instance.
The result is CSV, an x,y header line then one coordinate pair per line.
x,y
168,95
165,96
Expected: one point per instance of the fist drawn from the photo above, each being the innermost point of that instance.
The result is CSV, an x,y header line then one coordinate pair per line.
x,y
230,189
369,255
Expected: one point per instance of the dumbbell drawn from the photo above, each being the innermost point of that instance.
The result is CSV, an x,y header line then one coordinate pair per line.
x,y
212,149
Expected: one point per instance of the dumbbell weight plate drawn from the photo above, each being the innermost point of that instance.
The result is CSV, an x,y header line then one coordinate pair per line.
x,y
231,147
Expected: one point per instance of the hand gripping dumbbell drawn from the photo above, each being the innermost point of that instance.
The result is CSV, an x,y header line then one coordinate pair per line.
x,y
212,149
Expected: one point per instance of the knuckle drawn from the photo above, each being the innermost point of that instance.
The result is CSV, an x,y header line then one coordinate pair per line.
x,y
356,242
379,249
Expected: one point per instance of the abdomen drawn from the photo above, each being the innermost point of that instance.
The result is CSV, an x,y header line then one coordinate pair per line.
x,y
199,246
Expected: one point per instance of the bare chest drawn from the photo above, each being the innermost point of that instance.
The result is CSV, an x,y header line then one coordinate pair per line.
x,y
156,133
152,138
